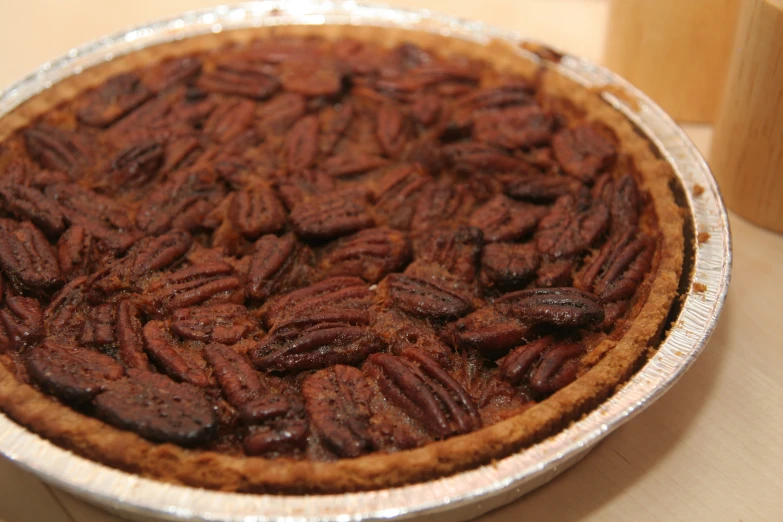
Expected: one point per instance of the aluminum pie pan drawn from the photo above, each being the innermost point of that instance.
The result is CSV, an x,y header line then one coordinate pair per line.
x,y
467,494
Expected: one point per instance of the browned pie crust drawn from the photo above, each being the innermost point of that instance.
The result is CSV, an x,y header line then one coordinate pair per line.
x,y
609,364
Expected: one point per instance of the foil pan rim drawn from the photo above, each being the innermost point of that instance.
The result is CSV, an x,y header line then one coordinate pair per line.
x,y
460,495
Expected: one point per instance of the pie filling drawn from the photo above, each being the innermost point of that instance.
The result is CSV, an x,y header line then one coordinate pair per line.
x,y
303,249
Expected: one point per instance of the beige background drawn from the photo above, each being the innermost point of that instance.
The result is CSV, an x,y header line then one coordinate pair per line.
x,y
710,450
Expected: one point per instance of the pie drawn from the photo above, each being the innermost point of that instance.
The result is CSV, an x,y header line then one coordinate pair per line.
x,y
324,259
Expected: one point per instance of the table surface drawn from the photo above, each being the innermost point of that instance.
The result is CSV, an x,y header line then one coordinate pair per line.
x,y
708,450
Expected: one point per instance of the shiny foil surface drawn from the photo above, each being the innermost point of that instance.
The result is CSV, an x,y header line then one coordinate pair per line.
x,y
458,497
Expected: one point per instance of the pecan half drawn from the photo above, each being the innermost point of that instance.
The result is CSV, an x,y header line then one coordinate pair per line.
x,y
71,373
426,108
145,122
300,146
229,119
613,312
317,346
256,213
369,254
64,315
38,179
411,55
282,436
75,251
180,363
137,164
624,205
345,313
331,215
571,228
427,155
397,194
502,219
158,409
130,336
212,282
113,100
557,369
147,257
21,323
299,186
336,401
279,113
440,204
98,328
385,89
153,254
400,331
545,365
334,122
565,307
438,71
227,79
353,164
471,157
104,218
181,152
391,129
516,366
277,265
584,151
337,293
285,49
28,203
27,257
233,372
171,72
182,202
508,266
271,406
78,201
311,78
487,331
422,389
595,264
497,96
543,159
467,417
514,127
542,188
55,149
625,269
425,298
221,323
457,250
555,273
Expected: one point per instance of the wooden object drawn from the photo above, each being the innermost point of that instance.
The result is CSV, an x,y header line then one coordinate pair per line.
x,y
747,152
676,51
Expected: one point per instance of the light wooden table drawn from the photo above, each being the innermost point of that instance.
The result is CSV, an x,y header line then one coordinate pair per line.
x,y
710,450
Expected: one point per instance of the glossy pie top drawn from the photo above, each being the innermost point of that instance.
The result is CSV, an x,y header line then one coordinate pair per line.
x,y
315,250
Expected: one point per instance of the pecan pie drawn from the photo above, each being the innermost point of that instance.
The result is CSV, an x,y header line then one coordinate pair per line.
x,y
324,259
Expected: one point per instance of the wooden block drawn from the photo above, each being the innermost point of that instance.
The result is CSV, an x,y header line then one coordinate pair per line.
x,y
676,51
747,150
